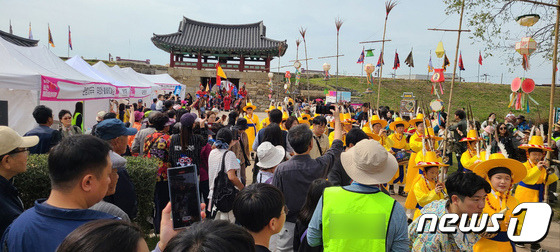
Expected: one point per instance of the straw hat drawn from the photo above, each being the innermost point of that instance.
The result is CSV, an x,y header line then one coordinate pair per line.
x,y
371,135
398,120
375,120
369,163
419,118
430,159
472,135
535,142
429,131
518,170
249,105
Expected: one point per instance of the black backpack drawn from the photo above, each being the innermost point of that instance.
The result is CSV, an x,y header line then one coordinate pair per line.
x,y
224,190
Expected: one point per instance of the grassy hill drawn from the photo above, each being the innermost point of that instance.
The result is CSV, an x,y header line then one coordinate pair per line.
x,y
483,97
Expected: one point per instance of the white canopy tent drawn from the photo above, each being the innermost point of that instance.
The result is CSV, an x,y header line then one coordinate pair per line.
x,y
85,68
33,75
167,83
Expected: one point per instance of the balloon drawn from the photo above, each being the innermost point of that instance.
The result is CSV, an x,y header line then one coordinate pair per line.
x,y
515,84
528,85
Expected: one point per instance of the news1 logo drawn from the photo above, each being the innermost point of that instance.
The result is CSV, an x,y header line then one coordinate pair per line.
x,y
535,226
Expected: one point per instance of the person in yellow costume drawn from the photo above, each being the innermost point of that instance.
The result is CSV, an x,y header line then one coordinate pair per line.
x,y
471,155
304,119
347,121
429,142
415,147
252,122
375,129
397,143
501,172
531,189
285,117
428,188
265,122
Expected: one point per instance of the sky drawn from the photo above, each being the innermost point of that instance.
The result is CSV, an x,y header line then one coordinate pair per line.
x,y
124,28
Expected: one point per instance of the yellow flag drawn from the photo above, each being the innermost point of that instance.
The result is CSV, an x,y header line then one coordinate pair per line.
x,y
220,72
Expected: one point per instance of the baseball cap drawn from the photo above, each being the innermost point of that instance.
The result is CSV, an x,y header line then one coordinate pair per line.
x,y
113,128
188,119
11,140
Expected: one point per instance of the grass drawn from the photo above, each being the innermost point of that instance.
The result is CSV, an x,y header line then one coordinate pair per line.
x,y
484,98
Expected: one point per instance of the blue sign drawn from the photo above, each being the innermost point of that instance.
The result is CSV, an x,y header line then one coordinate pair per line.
x,y
177,90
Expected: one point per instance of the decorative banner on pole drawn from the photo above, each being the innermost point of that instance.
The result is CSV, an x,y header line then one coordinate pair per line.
x,y
438,77
288,76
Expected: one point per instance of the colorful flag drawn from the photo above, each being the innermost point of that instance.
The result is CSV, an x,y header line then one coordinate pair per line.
x,y
445,62
397,63
11,31
479,58
30,33
219,74
69,38
51,42
409,60
461,65
380,61
430,66
361,58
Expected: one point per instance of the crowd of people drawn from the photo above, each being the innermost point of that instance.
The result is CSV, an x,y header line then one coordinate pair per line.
x,y
324,176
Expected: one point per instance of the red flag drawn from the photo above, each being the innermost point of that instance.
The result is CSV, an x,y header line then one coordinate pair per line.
x,y
461,65
380,61
69,38
397,63
479,58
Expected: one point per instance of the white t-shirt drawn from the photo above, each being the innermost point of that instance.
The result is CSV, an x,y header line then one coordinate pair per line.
x,y
159,105
265,177
215,164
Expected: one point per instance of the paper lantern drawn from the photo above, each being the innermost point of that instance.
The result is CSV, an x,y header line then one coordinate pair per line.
x,y
528,20
515,84
369,53
526,46
528,85
297,64
270,75
288,74
369,68
326,67
439,50
438,75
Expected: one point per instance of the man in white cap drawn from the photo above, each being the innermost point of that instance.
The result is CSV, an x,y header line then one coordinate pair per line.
x,y
360,217
270,157
13,161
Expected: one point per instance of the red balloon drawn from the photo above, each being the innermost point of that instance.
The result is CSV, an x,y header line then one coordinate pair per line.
x,y
515,84
528,85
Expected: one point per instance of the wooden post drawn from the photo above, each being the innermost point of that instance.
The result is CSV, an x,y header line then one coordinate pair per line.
x,y
241,63
267,64
171,59
199,61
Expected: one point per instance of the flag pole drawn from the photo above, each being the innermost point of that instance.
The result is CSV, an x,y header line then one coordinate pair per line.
x,y
362,74
68,46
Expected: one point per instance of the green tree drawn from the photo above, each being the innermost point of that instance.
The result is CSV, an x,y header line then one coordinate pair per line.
x,y
493,24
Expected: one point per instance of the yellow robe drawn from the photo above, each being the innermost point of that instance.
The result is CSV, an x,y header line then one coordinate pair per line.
x,y
398,142
487,245
265,122
425,195
534,176
468,159
254,127
411,202
412,171
331,138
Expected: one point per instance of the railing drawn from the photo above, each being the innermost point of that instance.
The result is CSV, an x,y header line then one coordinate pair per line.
x,y
246,67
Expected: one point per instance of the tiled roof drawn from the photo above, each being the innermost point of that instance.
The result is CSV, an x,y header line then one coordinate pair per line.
x,y
17,40
195,36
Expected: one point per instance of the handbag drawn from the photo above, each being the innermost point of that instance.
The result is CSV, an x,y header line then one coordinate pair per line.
x,y
224,191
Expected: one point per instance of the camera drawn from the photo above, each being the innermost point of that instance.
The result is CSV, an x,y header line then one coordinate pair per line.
x,y
325,109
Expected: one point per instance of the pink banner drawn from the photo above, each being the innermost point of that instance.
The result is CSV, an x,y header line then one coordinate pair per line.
x,y
140,92
54,89
167,87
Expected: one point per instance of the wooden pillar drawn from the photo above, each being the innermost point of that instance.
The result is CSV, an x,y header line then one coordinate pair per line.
x,y
267,64
241,63
199,62
171,59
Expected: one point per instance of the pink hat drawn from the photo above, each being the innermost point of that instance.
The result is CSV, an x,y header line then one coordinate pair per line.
x,y
489,130
138,116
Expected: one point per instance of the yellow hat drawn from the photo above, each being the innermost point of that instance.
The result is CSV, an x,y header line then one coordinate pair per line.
x,y
472,135
536,142
270,109
430,159
518,170
303,119
371,135
249,105
419,118
375,120
347,118
285,116
429,131
341,116
398,120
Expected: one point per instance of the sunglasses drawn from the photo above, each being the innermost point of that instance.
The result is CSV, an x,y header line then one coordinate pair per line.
x,y
14,151
66,118
502,128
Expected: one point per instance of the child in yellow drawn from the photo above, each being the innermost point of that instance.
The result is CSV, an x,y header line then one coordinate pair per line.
x,y
375,129
471,156
397,142
428,188
252,122
501,172
347,121
415,146
265,122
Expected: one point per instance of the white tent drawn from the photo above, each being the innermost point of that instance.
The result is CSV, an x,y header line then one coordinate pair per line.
x,y
167,83
29,75
85,68
133,75
138,89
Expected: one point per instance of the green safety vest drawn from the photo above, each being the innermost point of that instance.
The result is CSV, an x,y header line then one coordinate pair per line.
x,y
75,118
355,221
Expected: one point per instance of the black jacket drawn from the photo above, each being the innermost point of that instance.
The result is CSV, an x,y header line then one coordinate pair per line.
x,y
10,204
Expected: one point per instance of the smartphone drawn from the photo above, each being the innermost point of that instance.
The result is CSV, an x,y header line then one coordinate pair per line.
x,y
184,195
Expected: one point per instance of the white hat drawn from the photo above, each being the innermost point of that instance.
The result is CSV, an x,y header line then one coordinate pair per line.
x,y
100,115
369,163
11,140
270,155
